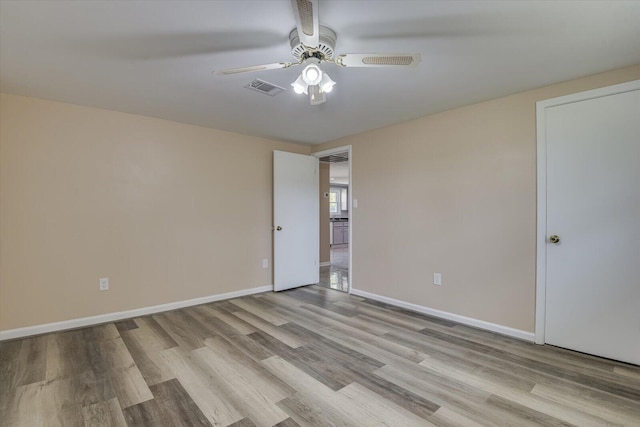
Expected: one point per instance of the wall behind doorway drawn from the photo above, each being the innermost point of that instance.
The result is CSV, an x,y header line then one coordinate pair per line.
x,y
325,247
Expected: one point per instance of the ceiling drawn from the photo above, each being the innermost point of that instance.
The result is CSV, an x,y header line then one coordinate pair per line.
x,y
155,58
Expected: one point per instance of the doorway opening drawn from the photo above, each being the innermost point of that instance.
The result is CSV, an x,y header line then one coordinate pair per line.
x,y
336,219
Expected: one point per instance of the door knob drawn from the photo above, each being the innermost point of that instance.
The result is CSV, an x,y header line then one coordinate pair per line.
x,y
554,238
278,228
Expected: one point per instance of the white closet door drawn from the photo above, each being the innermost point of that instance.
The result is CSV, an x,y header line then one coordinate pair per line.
x,y
593,206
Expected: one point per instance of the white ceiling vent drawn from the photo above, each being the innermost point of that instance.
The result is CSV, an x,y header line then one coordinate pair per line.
x,y
264,87
336,158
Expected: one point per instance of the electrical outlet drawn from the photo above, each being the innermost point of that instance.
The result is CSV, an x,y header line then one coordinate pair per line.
x,y
355,203
104,284
437,279
265,263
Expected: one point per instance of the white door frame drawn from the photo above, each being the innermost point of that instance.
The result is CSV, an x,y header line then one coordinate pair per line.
x,y
541,239
337,150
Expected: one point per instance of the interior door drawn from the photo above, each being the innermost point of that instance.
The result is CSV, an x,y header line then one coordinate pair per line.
x,y
296,216
593,226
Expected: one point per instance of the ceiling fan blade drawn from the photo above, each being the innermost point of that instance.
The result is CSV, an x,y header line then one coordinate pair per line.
x,y
306,12
379,59
274,66
169,45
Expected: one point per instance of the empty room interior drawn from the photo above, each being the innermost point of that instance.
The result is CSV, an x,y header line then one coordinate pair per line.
x,y
319,213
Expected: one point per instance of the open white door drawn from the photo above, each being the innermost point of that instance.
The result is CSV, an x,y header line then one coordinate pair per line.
x,y
296,220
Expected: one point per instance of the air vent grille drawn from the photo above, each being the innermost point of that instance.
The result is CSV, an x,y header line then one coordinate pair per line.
x,y
264,87
335,158
387,60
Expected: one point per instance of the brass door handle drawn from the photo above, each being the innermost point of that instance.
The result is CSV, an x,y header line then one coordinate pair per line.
x,y
554,238
278,228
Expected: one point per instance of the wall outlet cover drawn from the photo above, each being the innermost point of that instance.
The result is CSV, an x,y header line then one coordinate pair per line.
x,y
104,284
437,279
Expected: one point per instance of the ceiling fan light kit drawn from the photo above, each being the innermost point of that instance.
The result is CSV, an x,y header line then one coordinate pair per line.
x,y
313,44
316,96
312,74
313,82
326,84
299,86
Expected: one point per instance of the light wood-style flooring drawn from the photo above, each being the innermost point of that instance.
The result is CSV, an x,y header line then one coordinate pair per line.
x,y
310,357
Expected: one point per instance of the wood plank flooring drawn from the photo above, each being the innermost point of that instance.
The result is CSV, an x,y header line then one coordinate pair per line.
x,y
306,357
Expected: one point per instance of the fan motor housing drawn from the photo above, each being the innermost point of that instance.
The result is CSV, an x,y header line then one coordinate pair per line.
x,y
326,46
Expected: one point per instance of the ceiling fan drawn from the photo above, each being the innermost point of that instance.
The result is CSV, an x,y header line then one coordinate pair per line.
x,y
313,44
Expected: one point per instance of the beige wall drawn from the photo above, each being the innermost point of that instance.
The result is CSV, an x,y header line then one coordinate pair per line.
x,y
455,193
325,247
170,211
167,211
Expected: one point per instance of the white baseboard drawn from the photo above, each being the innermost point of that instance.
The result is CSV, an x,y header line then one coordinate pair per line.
x,y
493,327
325,264
119,315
